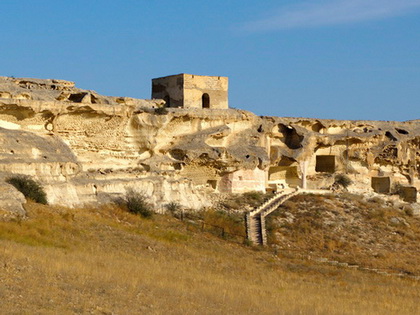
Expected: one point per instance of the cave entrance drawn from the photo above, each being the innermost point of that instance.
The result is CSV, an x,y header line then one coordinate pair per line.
x,y
381,185
77,97
212,183
205,100
325,164
284,174
291,138
409,194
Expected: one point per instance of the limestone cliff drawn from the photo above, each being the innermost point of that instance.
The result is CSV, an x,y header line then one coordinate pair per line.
x,y
85,147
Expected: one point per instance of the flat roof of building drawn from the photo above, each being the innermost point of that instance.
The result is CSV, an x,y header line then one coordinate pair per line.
x,y
194,75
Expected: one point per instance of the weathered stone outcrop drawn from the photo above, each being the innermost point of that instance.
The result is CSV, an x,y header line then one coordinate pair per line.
x,y
11,202
85,147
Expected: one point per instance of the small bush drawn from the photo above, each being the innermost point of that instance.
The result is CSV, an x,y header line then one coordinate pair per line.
x,y
254,196
245,201
174,209
342,180
137,203
230,222
29,188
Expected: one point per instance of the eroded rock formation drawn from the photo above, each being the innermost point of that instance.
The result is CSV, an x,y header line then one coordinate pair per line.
x,y
85,147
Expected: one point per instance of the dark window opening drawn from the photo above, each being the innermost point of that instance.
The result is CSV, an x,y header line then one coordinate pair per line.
x,y
409,194
381,185
212,183
205,100
325,163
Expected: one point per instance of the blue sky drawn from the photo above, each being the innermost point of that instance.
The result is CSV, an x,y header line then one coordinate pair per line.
x,y
339,59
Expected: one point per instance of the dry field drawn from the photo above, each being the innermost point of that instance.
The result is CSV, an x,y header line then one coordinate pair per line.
x,y
106,261
369,232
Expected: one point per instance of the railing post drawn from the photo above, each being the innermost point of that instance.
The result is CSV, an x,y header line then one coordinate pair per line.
x,y
248,226
263,231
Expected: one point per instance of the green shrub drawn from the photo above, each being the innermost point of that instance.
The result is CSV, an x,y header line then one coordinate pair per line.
x,y
342,180
243,201
29,188
253,198
137,203
173,208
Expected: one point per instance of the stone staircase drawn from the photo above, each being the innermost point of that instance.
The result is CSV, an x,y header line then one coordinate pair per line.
x,y
255,219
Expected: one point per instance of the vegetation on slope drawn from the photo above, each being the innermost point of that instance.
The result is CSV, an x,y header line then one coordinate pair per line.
x,y
348,228
109,261
29,188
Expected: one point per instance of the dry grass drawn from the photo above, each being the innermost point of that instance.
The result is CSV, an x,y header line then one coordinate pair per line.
x,y
347,228
105,261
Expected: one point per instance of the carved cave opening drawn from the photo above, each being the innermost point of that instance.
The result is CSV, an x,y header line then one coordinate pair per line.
x,y
318,127
291,138
212,183
286,161
409,194
287,174
77,97
325,164
381,185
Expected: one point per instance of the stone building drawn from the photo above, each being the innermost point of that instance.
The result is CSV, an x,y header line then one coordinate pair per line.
x,y
192,91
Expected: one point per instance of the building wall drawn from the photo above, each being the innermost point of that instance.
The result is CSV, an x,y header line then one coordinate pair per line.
x,y
171,86
196,85
186,90
243,181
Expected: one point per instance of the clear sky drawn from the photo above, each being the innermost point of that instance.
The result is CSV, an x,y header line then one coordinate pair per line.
x,y
339,59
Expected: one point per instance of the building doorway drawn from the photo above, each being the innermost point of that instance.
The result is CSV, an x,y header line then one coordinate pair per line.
x,y
205,100
381,185
167,100
325,164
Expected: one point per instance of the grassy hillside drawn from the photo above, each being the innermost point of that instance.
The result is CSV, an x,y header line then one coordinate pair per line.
x,y
368,232
107,261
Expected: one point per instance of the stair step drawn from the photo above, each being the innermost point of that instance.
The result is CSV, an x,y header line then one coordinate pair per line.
x,y
255,217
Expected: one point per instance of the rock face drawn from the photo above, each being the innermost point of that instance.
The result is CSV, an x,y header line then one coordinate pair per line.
x,y
85,148
11,202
